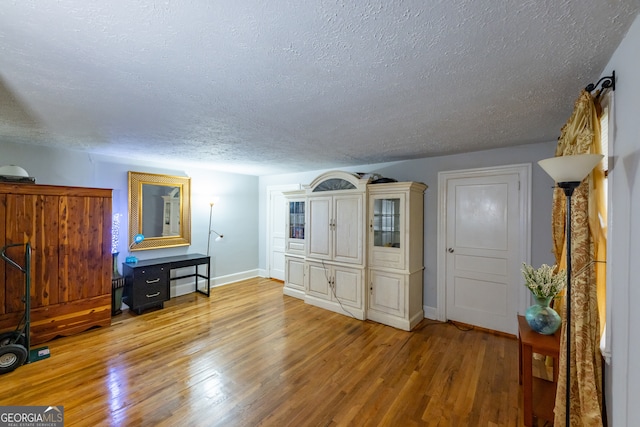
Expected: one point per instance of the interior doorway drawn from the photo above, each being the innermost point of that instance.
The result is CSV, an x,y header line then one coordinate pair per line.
x,y
483,238
276,220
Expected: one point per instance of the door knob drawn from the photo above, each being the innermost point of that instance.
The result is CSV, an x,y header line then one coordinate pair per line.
x,y
450,250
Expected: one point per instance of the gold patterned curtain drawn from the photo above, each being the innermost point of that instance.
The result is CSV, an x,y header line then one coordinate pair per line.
x,y
581,135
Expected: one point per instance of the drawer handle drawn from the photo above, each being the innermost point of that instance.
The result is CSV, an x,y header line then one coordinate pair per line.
x,y
154,281
153,295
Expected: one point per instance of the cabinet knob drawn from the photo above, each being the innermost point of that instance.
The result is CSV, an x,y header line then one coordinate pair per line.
x,y
450,250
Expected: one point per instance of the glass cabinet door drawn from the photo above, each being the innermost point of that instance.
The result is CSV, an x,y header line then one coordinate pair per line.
x,y
296,220
386,223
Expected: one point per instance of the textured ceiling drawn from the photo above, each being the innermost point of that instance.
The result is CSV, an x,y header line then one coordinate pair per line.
x,y
263,87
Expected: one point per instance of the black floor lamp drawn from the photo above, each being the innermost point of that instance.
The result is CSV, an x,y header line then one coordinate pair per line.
x,y
568,172
211,231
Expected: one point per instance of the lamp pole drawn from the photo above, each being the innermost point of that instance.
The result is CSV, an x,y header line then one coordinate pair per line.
x,y
209,234
568,172
568,188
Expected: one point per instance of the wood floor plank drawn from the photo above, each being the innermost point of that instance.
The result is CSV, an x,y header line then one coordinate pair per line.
x,y
250,356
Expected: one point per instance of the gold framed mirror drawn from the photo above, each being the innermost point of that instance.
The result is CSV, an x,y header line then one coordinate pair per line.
x,y
159,209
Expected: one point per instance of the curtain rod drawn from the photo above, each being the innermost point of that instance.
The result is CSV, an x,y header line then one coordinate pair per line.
x,y
607,82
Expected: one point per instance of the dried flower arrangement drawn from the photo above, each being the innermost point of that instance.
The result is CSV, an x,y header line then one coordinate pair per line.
x,y
544,282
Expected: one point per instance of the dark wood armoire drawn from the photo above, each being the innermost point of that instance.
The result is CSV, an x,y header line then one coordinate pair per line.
x,y
69,229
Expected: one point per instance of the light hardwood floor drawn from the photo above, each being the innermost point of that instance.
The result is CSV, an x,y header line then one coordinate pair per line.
x,y
250,356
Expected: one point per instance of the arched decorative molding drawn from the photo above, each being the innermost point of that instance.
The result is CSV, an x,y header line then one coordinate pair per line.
x,y
341,181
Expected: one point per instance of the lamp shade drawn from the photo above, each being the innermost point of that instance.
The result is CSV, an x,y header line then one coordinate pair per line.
x,y
570,168
13,170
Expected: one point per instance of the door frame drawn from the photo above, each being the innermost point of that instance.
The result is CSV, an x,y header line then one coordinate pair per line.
x,y
524,173
270,190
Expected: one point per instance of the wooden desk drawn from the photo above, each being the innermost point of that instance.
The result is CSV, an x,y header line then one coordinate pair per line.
x,y
146,283
539,394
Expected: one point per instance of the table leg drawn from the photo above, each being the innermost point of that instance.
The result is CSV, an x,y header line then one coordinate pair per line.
x,y
519,359
527,383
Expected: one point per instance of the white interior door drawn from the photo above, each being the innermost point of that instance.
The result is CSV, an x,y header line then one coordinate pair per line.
x,y
276,230
483,244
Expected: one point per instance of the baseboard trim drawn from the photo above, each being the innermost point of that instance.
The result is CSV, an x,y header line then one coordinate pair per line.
x,y
356,313
186,286
296,293
430,313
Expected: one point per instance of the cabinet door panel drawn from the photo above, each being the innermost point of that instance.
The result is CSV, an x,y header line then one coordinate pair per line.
x,y
387,292
318,284
320,239
348,286
295,226
388,230
294,273
348,229
34,219
82,262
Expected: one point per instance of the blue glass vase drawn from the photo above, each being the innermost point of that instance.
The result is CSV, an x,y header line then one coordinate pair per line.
x,y
542,318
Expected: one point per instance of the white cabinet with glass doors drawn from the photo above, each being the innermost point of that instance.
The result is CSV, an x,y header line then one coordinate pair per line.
x,y
395,253
295,222
355,247
294,244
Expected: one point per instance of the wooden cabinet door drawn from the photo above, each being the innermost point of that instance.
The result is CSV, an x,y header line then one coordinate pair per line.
x,y
388,230
387,292
318,280
295,226
85,244
347,284
294,273
348,226
320,236
34,219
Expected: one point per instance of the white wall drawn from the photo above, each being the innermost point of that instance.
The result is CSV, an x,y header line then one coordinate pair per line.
x,y
426,170
622,376
235,215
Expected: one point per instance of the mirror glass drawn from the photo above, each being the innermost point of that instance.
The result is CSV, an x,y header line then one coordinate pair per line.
x,y
159,208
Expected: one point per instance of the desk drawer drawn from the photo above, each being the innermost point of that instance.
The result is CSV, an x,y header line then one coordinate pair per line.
x,y
151,275
146,286
150,292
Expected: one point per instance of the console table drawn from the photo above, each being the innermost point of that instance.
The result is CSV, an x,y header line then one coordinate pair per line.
x,y
146,282
538,394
